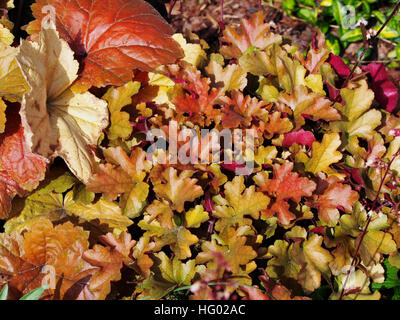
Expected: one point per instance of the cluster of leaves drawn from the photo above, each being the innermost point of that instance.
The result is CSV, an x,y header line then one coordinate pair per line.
x,y
337,15
116,223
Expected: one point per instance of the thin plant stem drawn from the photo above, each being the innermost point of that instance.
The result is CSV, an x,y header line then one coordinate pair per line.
x,y
373,38
373,207
221,12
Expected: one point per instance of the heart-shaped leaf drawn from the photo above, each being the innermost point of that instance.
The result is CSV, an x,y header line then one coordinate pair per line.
x,y
111,37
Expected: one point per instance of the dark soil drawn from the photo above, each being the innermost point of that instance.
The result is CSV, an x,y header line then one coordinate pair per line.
x,y
202,16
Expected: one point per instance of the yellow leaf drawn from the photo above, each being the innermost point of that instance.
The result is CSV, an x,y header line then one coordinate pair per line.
x,y
58,121
324,154
239,254
265,155
105,211
194,53
269,93
195,217
281,263
374,244
6,36
357,280
164,84
117,98
290,71
239,201
177,189
314,261
54,207
314,82
356,100
258,63
135,201
169,273
37,206
12,81
2,115
395,260
176,271
364,126
178,237
232,77
7,4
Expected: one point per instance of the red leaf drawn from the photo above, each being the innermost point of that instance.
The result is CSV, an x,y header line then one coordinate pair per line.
x,y
284,185
8,189
112,37
339,66
20,164
318,230
299,137
385,91
208,204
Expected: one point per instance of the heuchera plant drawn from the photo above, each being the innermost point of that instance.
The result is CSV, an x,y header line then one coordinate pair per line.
x,y
90,199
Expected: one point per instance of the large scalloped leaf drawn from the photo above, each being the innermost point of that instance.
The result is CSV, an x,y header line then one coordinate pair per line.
x,y
112,37
56,120
60,248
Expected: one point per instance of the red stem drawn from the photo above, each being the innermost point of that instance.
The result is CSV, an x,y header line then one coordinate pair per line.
x,y
348,78
221,13
366,226
259,5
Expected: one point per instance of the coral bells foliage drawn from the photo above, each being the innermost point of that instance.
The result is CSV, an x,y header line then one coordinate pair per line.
x,y
138,163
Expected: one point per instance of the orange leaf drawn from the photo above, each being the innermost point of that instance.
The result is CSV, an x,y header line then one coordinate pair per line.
x,y
277,124
335,195
45,251
239,110
177,189
275,291
252,32
285,185
303,102
193,96
111,37
109,261
317,55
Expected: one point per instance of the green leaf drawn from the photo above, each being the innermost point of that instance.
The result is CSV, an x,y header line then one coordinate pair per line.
x,y
388,32
352,35
337,10
310,3
326,3
323,25
379,15
307,15
35,294
4,293
333,44
288,5
392,280
367,8
398,51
